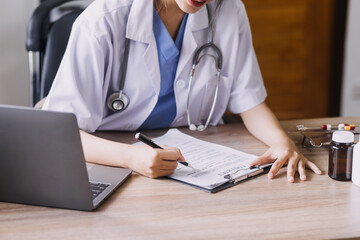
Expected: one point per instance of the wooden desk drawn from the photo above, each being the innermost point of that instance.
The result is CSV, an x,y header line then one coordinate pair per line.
x,y
319,208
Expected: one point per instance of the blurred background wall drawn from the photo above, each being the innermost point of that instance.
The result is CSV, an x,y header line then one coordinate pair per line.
x,y
14,64
14,80
350,98
299,44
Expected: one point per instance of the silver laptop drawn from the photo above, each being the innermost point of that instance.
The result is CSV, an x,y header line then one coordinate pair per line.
x,y
42,162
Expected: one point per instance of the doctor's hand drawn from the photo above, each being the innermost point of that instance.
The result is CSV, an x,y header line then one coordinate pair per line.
x,y
155,162
286,153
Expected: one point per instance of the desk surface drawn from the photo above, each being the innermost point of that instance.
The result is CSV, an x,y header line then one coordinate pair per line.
x,y
143,208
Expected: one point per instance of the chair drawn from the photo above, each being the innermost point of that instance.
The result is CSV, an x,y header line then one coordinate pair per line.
x,y
46,42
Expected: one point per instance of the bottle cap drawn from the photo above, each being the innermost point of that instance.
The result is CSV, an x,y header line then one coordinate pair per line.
x,y
343,137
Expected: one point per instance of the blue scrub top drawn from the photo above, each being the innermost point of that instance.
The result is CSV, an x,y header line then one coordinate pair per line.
x,y
164,112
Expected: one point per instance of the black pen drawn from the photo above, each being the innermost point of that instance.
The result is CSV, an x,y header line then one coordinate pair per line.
x,y
148,141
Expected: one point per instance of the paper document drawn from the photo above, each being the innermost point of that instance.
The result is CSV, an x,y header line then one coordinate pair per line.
x,y
211,161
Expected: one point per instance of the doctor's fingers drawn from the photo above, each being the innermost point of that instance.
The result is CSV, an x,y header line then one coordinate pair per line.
x,y
277,165
301,169
313,167
157,167
304,162
171,153
164,159
263,159
167,165
293,164
161,173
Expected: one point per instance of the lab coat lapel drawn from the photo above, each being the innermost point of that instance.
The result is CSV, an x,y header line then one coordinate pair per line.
x,y
195,22
140,29
140,21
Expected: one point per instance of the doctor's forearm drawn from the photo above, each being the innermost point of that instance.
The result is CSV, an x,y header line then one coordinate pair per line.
x,y
105,152
262,123
143,159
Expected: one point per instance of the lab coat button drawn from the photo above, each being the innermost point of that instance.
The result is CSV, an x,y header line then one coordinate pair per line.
x,y
180,84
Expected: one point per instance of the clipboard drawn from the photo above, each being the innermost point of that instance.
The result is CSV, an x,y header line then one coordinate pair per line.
x,y
213,167
233,181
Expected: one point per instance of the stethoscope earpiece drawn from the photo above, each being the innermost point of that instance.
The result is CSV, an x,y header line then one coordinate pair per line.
x,y
200,128
192,127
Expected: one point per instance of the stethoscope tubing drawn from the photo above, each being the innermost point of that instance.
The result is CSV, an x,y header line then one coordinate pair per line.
x,y
122,100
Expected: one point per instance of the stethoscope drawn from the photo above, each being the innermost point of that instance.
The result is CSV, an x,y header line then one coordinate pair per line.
x,y
119,101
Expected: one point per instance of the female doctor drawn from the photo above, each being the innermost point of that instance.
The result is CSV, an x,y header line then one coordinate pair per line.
x,y
127,67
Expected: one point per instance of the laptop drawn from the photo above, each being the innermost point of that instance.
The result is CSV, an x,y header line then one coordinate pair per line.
x,y
42,162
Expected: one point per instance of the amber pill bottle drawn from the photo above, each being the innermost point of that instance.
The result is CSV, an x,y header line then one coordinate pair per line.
x,y
340,155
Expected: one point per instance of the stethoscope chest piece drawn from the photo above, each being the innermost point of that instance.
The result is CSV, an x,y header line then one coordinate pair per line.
x,y
118,101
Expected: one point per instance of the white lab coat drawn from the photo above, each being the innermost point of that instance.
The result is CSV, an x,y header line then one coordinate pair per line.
x,y
89,72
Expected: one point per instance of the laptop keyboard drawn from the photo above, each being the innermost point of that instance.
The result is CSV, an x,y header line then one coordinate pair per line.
x,y
97,188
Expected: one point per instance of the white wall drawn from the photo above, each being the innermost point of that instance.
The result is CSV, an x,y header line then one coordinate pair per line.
x,y
14,69
350,100
14,80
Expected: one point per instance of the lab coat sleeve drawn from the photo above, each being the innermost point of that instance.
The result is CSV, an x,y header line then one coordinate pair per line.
x,y
78,85
248,89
